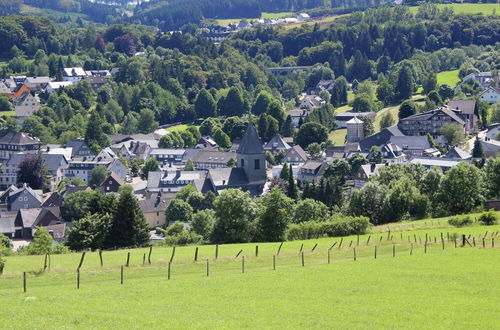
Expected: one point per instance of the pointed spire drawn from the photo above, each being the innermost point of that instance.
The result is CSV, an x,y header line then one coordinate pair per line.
x,y
250,143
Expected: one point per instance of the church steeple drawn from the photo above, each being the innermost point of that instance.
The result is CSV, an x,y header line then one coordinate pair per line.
x,y
250,155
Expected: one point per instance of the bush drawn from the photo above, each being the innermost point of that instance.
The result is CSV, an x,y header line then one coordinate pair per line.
x,y
60,249
488,218
336,227
5,242
461,222
2,265
177,235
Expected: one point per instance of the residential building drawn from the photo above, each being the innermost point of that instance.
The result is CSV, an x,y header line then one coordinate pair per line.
x,y
154,208
27,220
132,149
392,153
79,148
379,138
343,117
24,198
206,142
37,84
467,111
54,86
484,79
205,159
295,156
82,167
7,223
311,102
365,172
430,122
111,184
74,74
168,156
276,144
491,148
312,170
411,145
490,95
457,153
97,82
428,163
173,181
14,142
298,115
493,132
25,106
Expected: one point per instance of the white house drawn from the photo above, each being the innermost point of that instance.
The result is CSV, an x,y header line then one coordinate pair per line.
x,y
26,105
490,95
303,17
74,74
55,85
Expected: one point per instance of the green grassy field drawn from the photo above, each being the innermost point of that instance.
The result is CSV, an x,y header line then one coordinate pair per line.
x,y
434,288
468,8
338,136
8,113
180,128
34,11
448,77
263,16
323,22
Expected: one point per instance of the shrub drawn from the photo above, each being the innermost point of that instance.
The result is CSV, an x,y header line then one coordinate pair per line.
x,y
336,227
488,218
183,238
60,249
460,222
5,242
2,265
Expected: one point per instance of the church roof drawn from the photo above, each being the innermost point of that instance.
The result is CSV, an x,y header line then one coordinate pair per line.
x,y
250,143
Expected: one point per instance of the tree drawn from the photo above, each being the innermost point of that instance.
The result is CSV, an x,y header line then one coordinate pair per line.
x,y
368,201
203,223
178,210
205,105
221,138
446,92
233,104
434,97
189,165
453,134
33,172
430,83
94,135
285,172
386,121
262,103
97,176
314,150
42,242
208,126
293,191
385,91
368,127
89,232
477,152
147,122
76,206
339,92
362,103
275,216
287,129
407,108
460,190
5,242
406,83
311,132
310,210
149,166
5,104
234,212
128,225
491,172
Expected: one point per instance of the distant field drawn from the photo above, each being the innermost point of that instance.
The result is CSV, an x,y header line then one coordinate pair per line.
x,y
323,22
432,288
393,110
29,10
277,15
263,16
180,128
469,8
338,136
448,77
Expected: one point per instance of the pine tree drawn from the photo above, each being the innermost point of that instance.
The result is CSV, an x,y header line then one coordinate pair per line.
x,y
405,83
284,172
95,133
292,187
205,105
128,226
287,129
478,151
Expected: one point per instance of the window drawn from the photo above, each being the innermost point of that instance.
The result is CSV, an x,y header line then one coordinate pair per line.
x,y
242,163
20,199
257,164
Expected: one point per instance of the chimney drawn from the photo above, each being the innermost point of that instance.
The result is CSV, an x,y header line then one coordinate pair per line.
x,y
372,167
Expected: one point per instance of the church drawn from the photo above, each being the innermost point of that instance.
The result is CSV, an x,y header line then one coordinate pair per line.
x,y
250,172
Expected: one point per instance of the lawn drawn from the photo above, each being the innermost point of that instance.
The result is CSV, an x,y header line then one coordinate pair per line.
x,y
468,8
263,16
448,77
277,15
432,288
180,128
11,113
337,136
323,22
393,110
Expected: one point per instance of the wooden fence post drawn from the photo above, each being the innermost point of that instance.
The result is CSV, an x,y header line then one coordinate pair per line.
x,y
357,241
149,255
415,237
24,282
238,254
301,247
425,247
448,235
216,251
328,255
144,259
380,240
375,254
314,247
368,240
455,240
208,268
492,242
196,254
274,262
78,278
484,245
50,262
256,250
393,250
100,257
45,262
243,264
121,274
331,247
168,272
354,249
442,242
302,254
411,249
128,259
341,240
474,241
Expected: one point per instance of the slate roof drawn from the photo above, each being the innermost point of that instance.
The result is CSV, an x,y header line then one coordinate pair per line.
x,y
429,114
277,142
155,203
7,222
466,106
371,169
346,115
58,231
379,138
234,176
76,145
429,162
298,149
250,143
457,153
113,176
13,195
54,200
17,138
212,156
410,142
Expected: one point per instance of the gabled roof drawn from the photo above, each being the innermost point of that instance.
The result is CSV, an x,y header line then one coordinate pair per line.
x,y
465,106
74,72
156,203
277,142
234,176
113,177
298,150
429,114
411,142
494,89
25,187
17,138
354,120
379,138
457,153
54,200
250,143
213,156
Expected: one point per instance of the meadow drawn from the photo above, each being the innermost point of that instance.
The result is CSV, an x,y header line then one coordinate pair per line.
x,y
468,8
427,287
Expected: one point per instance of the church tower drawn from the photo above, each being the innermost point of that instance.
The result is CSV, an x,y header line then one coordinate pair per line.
x,y
250,155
